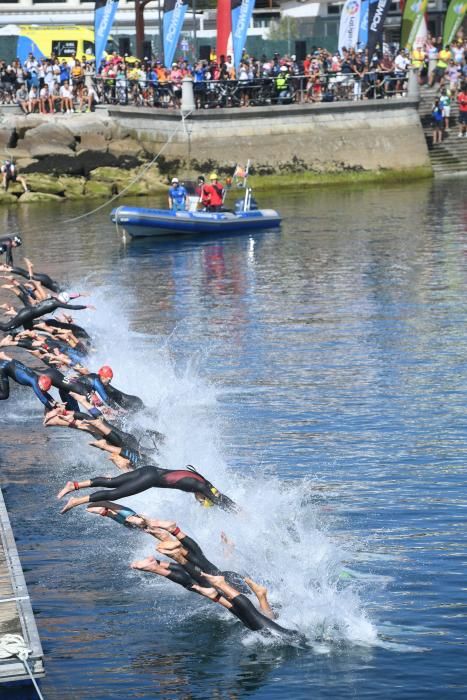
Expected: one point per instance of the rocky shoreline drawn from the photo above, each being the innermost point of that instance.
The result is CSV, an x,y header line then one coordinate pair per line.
x,y
74,157
97,155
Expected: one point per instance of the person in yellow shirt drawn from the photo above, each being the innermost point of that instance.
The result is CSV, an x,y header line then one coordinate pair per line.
x,y
444,57
418,62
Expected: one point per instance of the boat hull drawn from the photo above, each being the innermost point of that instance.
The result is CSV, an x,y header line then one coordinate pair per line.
x,y
139,222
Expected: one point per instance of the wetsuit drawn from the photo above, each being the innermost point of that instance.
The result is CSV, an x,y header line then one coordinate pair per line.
x,y
26,316
12,369
242,607
110,395
147,477
65,385
49,344
41,277
77,331
6,247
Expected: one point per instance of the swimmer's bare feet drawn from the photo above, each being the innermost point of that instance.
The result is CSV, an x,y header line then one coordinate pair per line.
x,y
216,581
72,503
257,589
210,593
149,564
100,444
121,463
70,486
168,547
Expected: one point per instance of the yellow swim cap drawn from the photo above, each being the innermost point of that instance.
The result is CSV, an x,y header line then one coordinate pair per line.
x,y
213,176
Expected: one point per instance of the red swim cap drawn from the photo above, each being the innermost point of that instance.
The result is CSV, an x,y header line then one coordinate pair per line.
x,y
106,372
44,382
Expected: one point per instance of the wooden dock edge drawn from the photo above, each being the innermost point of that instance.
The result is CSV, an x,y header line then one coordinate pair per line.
x,y
12,669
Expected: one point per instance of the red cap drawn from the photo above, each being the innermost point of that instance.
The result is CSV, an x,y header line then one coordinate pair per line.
x,y
106,372
44,382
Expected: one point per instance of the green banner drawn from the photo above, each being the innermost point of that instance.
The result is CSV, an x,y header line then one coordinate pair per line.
x,y
411,20
453,20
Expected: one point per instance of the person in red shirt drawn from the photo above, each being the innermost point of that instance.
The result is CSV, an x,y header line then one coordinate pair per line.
x,y
213,194
462,101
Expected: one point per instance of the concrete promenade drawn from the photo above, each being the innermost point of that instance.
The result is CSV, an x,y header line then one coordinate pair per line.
x,y
16,616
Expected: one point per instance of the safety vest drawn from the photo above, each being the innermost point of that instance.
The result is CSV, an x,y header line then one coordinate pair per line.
x,y
281,82
418,57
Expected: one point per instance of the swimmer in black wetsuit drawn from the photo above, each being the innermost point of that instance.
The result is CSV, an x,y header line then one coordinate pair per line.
x,y
183,548
39,383
145,478
6,247
31,275
26,316
213,586
115,398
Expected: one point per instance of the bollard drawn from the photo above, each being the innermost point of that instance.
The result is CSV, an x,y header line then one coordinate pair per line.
x,y
413,86
188,97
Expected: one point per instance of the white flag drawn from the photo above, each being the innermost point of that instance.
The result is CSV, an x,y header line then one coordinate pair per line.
x,y
349,25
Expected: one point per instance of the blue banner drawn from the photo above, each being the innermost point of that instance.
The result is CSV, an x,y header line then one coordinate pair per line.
x,y
174,14
363,28
241,16
104,15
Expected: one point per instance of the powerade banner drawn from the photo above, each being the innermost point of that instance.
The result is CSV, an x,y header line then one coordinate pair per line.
x,y
454,17
104,15
349,25
174,14
241,16
414,11
363,28
377,15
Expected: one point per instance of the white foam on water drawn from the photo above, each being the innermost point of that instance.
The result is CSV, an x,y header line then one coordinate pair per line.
x,y
280,537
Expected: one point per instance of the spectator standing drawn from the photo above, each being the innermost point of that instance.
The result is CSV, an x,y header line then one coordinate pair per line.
x,y
462,102
437,121
445,102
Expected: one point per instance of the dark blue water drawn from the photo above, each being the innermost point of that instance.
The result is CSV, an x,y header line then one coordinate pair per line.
x,y
316,375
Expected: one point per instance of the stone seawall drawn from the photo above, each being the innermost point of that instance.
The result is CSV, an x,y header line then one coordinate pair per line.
x,y
98,154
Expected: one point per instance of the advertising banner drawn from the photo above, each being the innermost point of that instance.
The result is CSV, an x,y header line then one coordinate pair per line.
x,y
241,16
104,15
414,12
454,17
224,29
377,15
363,28
349,25
174,14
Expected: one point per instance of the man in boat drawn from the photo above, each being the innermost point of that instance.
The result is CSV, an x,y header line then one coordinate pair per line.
x,y
213,194
177,196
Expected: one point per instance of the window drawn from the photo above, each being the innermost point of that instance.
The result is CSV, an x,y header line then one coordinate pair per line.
x,y
264,20
88,47
334,9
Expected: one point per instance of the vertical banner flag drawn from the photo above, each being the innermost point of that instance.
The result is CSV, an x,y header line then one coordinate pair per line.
x,y
377,15
241,16
454,17
414,12
363,27
224,28
174,14
349,25
104,15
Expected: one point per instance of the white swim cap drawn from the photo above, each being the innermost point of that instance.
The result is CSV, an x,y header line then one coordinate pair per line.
x,y
64,297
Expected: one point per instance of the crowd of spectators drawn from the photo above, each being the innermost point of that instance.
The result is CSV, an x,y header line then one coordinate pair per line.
x,y
69,84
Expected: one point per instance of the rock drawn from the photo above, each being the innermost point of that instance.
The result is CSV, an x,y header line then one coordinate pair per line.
x,y
73,186
125,147
92,124
38,182
92,142
15,188
7,139
39,197
155,182
98,189
137,189
24,123
110,174
26,165
49,139
7,198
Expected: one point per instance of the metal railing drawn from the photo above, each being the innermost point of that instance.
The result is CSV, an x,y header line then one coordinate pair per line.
x,y
212,94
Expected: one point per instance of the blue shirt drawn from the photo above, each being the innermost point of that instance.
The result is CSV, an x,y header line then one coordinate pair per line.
x,y
177,195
